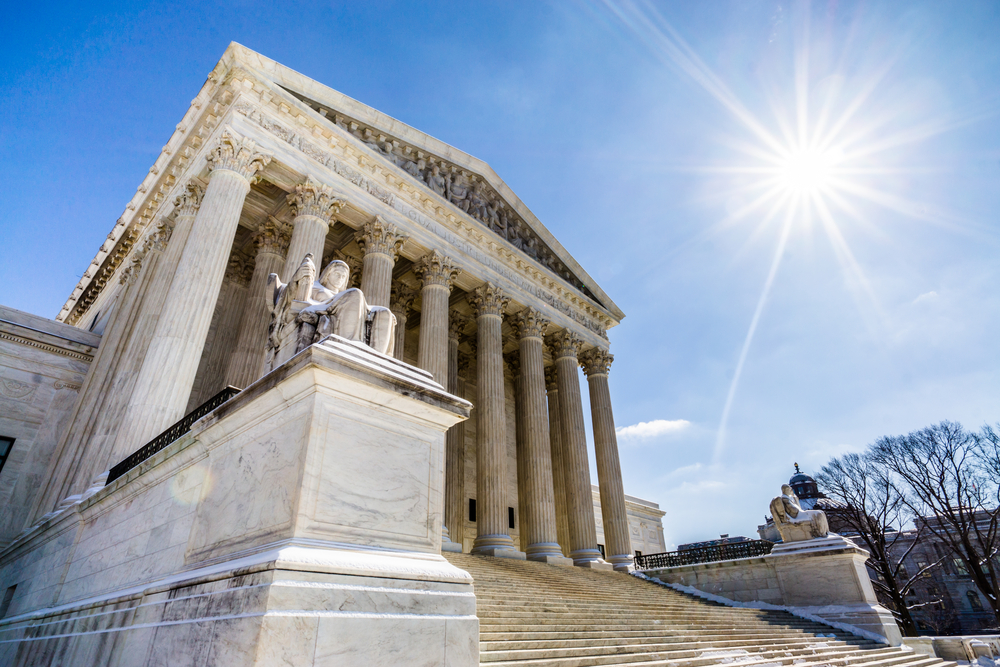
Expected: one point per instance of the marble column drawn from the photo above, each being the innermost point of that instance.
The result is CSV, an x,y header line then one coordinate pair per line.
x,y
493,537
454,463
400,303
220,344
436,273
579,499
82,451
512,360
164,381
380,241
617,543
534,466
558,460
313,205
246,364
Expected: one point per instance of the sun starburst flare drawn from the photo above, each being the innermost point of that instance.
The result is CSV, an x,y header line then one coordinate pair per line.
x,y
816,160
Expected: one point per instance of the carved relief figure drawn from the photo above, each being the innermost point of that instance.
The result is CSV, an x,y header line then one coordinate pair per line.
x,y
458,191
794,523
435,181
307,310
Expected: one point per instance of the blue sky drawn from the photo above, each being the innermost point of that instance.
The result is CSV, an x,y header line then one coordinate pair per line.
x,y
641,135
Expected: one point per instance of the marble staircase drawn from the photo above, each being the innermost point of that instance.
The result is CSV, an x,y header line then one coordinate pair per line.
x,y
547,616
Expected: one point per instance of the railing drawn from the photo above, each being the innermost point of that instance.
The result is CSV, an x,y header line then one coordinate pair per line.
x,y
171,434
710,554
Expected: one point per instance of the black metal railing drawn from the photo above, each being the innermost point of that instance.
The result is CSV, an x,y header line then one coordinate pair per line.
x,y
710,554
171,434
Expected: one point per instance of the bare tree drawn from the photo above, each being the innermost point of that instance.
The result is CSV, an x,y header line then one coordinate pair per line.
x,y
951,483
874,509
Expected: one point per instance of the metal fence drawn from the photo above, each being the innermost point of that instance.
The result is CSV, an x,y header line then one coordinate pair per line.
x,y
710,554
171,434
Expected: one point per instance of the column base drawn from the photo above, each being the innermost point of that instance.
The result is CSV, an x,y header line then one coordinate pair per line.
x,y
551,560
547,552
498,546
447,544
590,558
622,562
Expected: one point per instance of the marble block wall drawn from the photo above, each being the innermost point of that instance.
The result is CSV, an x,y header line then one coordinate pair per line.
x,y
42,366
299,523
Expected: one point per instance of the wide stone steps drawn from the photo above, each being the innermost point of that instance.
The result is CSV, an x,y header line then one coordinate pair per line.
x,y
547,616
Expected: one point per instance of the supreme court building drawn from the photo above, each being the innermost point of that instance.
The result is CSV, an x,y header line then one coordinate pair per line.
x,y
264,169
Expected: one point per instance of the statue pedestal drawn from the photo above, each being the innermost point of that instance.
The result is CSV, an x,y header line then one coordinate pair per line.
x,y
826,577
299,523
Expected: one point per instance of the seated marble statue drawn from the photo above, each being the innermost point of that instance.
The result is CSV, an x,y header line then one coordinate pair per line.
x,y
306,310
794,523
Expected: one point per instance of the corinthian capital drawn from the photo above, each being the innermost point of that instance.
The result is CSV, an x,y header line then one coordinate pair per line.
x,y
529,323
457,324
401,298
315,199
380,237
239,270
488,299
551,379
436,269
596,361
564,344
272,236
238,154
513,361
187,202
158,237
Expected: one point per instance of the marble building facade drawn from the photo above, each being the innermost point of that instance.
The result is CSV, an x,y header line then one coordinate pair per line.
x,y
267,166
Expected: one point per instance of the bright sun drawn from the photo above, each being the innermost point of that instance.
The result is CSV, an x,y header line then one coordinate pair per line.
x,y
806,171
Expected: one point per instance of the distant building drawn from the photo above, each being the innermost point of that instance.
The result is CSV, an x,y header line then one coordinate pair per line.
x,y
645,524
723,539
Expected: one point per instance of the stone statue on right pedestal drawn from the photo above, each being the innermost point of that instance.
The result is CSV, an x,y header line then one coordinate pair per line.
x,y
794,523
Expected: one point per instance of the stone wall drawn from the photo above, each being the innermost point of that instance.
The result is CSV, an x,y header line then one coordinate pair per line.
x,y
42,366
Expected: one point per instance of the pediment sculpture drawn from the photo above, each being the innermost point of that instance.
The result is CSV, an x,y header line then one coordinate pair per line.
x,y
794,523
306,310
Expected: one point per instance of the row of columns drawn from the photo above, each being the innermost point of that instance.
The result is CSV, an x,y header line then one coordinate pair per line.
x,y
554,477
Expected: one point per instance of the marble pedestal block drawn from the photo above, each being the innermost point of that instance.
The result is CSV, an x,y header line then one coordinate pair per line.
x,y
824,578
299,523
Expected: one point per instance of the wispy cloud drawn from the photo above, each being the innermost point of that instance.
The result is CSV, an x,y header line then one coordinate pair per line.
x,y
653,429
925,297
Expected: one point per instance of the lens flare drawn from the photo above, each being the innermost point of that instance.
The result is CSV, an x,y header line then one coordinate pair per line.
x,y
808,171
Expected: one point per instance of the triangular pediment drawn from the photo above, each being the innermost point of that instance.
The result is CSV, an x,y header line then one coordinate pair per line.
x,y
457,179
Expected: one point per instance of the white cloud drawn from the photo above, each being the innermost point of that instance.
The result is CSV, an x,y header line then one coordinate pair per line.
x,y
926,296
655,428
